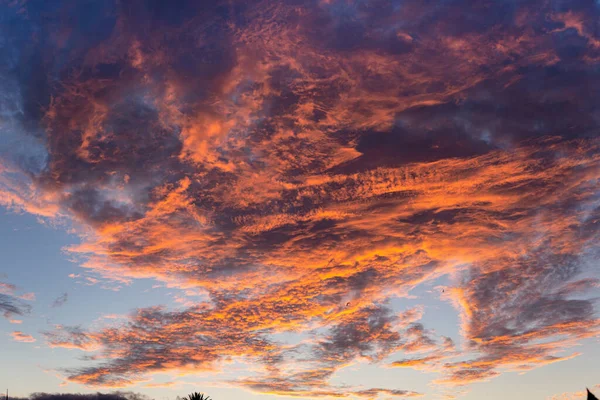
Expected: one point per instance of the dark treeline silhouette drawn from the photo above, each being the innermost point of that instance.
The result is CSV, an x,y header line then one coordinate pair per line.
x,y
87,396
135,396
101,396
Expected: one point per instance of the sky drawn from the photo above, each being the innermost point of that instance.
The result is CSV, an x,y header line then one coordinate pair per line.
x,y
368,199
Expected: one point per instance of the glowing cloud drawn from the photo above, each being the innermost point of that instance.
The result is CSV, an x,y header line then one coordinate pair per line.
x,y
19,336
301,166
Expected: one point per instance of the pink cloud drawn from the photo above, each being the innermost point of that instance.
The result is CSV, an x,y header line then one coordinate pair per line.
x,y
19,336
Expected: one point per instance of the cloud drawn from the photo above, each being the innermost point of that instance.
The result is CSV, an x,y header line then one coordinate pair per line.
x,y
11,306
373,393
161,384
70,337
367,333
303,165
11,303
19,336
60,300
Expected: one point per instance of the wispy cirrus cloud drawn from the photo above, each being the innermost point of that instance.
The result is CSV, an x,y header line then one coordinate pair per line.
x,y
60,300
12,303
303,165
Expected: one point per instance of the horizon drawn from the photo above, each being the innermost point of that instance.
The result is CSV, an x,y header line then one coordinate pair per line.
x,y
317,199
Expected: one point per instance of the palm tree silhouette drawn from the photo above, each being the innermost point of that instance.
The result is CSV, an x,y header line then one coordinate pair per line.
x,y
197,396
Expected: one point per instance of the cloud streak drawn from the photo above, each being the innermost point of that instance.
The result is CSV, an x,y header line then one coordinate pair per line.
x,y
13,304
19,336
60,300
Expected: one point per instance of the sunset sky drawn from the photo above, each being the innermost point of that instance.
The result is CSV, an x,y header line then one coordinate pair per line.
x,y
366,199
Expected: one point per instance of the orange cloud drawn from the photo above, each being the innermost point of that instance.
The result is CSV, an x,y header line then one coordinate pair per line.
x,y
19,336
303,165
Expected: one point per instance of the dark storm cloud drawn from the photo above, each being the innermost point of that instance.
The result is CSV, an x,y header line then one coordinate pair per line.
x,y
21,136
